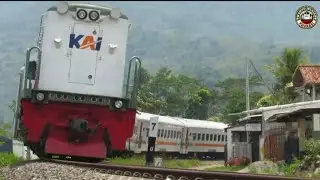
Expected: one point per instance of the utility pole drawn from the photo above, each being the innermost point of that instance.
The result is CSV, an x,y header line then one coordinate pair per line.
x,y
247,87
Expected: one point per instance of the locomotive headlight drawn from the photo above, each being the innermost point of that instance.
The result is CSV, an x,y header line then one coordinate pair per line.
x,y
40,96
82,14
115,13
118,104
62,7
94,15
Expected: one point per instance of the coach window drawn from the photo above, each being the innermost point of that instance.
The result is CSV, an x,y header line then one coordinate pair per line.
x,y
207,137
218,138
158,133
199,136
215,138
147,131
222,138
226,138
165,133
171,134
211,137
194,136
202,137
161,133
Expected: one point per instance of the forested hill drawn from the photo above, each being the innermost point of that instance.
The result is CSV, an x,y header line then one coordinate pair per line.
x,y
208,40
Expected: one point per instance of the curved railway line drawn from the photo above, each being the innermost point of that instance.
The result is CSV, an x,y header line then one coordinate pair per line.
x,y
137,172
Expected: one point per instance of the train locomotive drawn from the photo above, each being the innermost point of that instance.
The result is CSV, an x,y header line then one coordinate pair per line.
x,y
77,93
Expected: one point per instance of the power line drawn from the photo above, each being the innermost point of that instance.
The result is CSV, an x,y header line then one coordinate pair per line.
x,y
260,76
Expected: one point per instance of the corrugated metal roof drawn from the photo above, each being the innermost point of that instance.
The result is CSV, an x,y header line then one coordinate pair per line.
x,y
306,74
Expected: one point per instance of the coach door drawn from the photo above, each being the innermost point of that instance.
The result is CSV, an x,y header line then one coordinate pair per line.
x,y
84,45
187,140
140,136
183,141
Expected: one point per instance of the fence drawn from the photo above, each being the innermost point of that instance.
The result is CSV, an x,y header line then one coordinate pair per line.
x,y
240,149
274,143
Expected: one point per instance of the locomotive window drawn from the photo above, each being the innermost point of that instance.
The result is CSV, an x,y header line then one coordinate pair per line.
x,y
165,133
215,138
147,131
218,138
194,136
207,137
199,136
222,138
161,133
202,137
211,137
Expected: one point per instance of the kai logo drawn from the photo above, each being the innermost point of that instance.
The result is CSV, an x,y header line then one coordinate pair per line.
x,y
84,42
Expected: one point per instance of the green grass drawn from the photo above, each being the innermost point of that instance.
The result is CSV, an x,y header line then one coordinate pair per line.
x,y
226,168
139,160
8,159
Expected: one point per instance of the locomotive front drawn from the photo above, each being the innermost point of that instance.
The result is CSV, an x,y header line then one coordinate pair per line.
x,y
74,100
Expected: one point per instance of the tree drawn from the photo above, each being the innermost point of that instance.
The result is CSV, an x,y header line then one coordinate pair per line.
x,y
232,97
282,69
166,93
198,105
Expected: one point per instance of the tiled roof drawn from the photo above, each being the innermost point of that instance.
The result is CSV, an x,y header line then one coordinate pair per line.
x,y
306,74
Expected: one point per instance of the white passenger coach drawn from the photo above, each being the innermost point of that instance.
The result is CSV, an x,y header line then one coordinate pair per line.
x,y
179,137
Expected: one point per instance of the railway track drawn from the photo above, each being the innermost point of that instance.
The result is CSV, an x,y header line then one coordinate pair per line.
x,y
137,172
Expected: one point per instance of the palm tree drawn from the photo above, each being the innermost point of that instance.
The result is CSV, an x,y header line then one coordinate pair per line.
x,y
283,68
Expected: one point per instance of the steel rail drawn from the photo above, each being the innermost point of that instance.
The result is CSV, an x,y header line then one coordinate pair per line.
x,y
171,174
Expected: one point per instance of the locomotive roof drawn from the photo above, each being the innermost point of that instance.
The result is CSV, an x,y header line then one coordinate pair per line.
x,y
185,122
104,10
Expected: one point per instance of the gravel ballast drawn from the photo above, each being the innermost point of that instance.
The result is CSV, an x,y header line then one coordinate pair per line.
x,y
50,171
